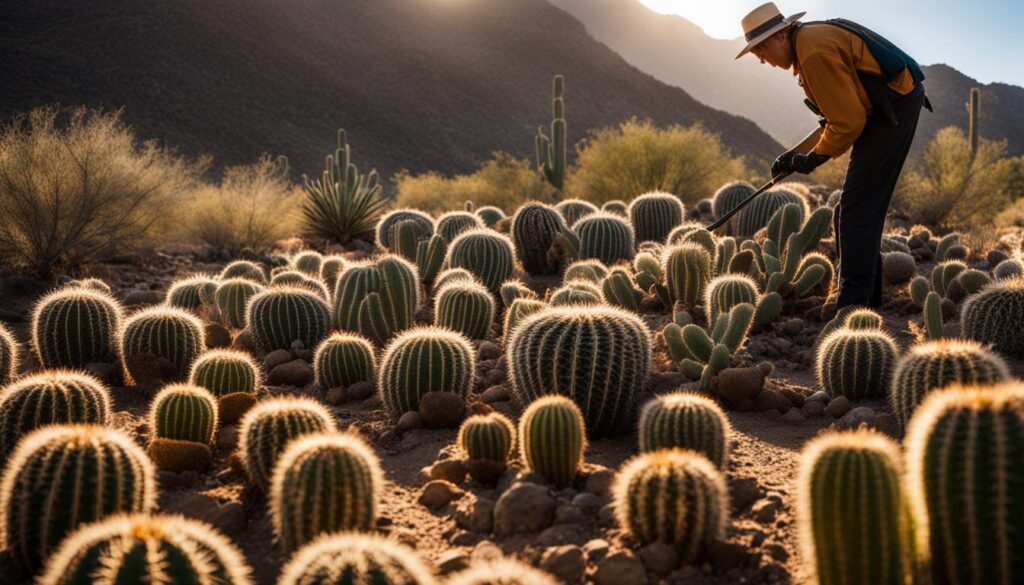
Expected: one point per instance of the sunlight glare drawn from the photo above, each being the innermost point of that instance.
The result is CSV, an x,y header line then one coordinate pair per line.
x,y
719,19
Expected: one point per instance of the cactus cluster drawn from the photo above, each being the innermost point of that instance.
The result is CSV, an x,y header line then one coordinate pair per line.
x,y
342,360
688,421
944,274
759,212
193,293
465,308
72,327
575,292
421,360
539,234
351,558
553,437
232,377
278,317
856,363
419,225
46,398
160,334
784,261
588,269
377,300
605,237
654,214
600,357
618,289
486,254
701,356
515,289
269,426
231,299
994,316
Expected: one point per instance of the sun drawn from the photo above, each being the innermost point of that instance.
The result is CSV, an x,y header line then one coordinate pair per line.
x,y
720,19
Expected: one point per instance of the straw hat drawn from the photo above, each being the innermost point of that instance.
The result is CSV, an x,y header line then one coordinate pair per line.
x,y
762,22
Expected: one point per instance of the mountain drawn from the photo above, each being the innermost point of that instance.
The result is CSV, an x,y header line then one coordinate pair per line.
x,y
418,84
678,52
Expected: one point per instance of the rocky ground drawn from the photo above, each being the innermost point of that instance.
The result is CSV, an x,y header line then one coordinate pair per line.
x,y
431,504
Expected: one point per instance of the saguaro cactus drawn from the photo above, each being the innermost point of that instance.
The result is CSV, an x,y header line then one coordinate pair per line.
x,y
551,151
974,119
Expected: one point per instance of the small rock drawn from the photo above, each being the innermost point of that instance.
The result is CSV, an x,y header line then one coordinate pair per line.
x,y
735,385
596,549
588,503
606,516
665,381
764,510
620,568
453,470
813,409
492,378
295,373
475,514
599,482
499,393
336,396
276,358
438,493
409,421
229,517
743,491
305,355
770,399
820,396
839,406
217,335
659,558
489,350
244,342
793,415
360,390
140,298
524,508
569,514
862,415
565,562
726,555
452,561
442,410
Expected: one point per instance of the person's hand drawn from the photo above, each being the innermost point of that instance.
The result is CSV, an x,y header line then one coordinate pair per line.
x,y
797,162
783,164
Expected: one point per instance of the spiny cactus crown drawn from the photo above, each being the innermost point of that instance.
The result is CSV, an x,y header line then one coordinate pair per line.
x,y
357,558
421,360
232,298
226,371
454,275
278,317
863,318
605,237
535,227
486,254
465,308
386,233
726,291
994,316
165,332
687,269
267,428
728,196
308,262
588,269
574,210
453,223
342,360
553,437
856,363
72,327
184,412
502,571
490,215
575,292
244,269
686,420
490,436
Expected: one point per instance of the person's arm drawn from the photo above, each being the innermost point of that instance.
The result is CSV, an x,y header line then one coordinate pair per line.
x,y
809,141
832,81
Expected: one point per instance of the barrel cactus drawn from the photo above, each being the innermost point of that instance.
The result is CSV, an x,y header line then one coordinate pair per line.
x,y
994,316
854,517
453,223
600,357
8,355
756,215
193,293
863,319
489,437
688,421
347,558
605,237
342,360
535,227
856,363
654,214
965,460
898,267
64,476
46,398
618,289
232,377
269,426
244,269
144,548
278,317
552,435
575,292
616,206
378,299
231,299
944,273
387,234
485,253
172,337
90,283
726,291
590,269
672,496
935,365
490,215
687,269
308,262
501,571
421,360
573,210
72,327
183,419
324,483
946,243
967,283
728,196
331,268
1009,268
519,310
465,308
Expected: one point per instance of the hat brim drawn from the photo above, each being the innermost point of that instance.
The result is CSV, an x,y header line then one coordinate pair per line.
x,y
761,37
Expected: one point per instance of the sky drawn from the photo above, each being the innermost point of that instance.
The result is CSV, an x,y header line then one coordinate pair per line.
x,y
984,39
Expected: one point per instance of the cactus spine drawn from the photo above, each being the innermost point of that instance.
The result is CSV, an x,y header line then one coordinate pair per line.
x,y
161,332
72,327
183,419
672,496
605,237
269,426
465,308
53,397
278,317
324,483
994,316
356,558
342,360
421,360
553,436
486,254
856,364
551,151
654,214
244,269
688,421
687,269
231,299
863,319
8,355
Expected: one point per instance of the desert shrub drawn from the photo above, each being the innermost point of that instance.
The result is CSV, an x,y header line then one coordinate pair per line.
x,y
252,207
503,181
638,157
950,188
76,186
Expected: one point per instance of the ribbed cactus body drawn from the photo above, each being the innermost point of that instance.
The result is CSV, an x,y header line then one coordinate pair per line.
x,y
605,237
232,298
61,477
8,355
330,269
324,483
688,421
994,316
616,206
589,269
618,289
552,435
387,235
350,559
854,517
726,291
945,243
308,262
486,254
573,210
184,412
46,398
898,267
519,310
490,215
399,297
654,214
91,284
73,327
600,357
143,548
278,317
244,269
487,436
421,360
342,360
863,319
728,197
918,289
451,275
931,366
162,332
534,229
1009,268
192,294
269,426
465,308
687,269
856,364
453,223
758,212
501,571
576,292
354,285
672,496
965,460
225,371
944,274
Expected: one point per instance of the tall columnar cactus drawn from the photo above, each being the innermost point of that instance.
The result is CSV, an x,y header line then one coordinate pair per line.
x,y
489,437
725,292
183,419
535,232
308,262
728,197
672,496
244,269
161,333
421,360
519,310
193,293
600,357
72,327
232,377
387,234
232,298
8,355
575,292
573,210
144,548
356,558
605,237
994,316
854,518
46,398
687,269
465,308
856,363
654,214
269,426
974,119
759,212
486,254
324,483
863,319
278,317
384,314
61,477
490,215
935,365
342,360
501,571
965,461
688,421
551,151
552,435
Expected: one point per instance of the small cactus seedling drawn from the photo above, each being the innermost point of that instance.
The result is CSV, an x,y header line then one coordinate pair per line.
x,y
278,317
856,363
342,360
269,426
8,355
232,377
73,327
487,440
324,483
672,496
193,293
994,316
654,214
46,398
183,419
356,558
688,421
465,308
421,360
553,438
163,339
231,299
144,548
502,571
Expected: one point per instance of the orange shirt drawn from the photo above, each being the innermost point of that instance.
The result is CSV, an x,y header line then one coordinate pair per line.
x,y
828,59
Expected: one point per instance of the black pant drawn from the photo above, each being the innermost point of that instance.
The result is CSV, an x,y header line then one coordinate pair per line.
x,y
875,164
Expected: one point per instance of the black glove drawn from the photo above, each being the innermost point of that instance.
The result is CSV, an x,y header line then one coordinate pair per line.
x,y
797,162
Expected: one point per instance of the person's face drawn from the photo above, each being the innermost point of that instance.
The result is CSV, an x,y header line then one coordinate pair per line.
x,y
775,50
